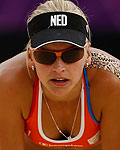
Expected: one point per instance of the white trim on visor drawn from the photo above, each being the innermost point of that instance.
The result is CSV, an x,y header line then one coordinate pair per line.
x,y
59,41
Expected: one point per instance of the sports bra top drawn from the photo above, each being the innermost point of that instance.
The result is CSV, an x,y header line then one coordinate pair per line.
x,y
89,133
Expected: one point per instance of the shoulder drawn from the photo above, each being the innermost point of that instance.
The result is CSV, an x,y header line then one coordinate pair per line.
x,y
105,102
104,68
105,61
13,78
13,70
15,83
104,81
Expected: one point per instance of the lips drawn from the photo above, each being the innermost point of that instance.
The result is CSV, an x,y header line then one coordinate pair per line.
x,y
60,81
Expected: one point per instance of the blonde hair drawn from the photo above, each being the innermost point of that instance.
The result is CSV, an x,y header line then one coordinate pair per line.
x,y
56,5
53,6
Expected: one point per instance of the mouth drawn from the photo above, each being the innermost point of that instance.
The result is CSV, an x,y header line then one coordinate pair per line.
x,y
60,81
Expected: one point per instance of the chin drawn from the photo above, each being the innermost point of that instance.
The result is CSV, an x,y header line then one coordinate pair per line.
x,y
59,92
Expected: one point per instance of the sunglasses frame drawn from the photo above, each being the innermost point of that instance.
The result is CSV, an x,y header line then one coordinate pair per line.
x,y
56,52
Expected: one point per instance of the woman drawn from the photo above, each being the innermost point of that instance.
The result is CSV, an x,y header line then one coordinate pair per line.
x,y
61,93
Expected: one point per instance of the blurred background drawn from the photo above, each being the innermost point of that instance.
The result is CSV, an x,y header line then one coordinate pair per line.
x,y
103,16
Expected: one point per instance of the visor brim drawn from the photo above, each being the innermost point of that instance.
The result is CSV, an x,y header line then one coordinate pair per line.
x,y
58,35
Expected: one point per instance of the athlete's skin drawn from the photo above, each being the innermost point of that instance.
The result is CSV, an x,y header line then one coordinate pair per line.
x,y
16,92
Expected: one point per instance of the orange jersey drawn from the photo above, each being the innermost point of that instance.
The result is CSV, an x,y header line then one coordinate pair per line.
x,y
89,133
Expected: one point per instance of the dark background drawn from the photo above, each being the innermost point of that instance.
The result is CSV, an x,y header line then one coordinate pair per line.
x,y
103,16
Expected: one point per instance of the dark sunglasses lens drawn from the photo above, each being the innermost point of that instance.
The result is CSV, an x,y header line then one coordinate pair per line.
x,y
73,55
44,57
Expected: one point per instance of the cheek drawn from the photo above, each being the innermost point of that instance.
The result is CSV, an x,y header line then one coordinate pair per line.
x,y
76,69
42,71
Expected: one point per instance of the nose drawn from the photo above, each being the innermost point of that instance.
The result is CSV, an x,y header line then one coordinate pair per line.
x,y
58,65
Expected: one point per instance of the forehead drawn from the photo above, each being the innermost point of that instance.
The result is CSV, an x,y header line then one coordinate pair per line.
x,y
57,46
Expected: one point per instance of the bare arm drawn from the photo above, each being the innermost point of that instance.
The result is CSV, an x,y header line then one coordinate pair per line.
x,y
11,116
110,122
11,122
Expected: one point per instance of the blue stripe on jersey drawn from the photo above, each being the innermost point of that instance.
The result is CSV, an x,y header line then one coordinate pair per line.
x,y
88,97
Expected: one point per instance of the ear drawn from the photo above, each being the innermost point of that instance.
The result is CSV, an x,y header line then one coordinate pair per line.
x,y
88,60
30,58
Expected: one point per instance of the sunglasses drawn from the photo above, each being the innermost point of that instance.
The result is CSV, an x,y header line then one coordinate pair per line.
x,y
48,57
